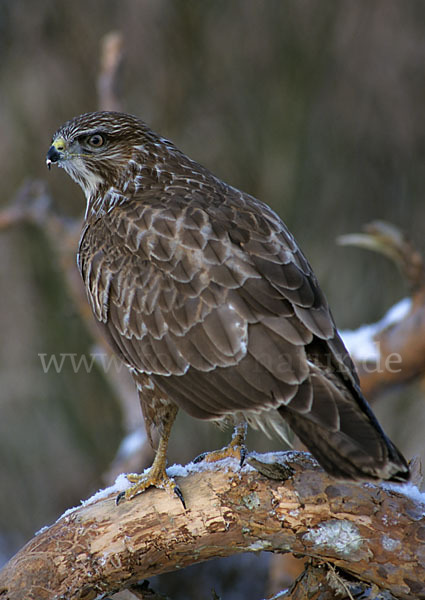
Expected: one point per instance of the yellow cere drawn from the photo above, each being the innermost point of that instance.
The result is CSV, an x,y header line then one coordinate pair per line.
x,y
59,144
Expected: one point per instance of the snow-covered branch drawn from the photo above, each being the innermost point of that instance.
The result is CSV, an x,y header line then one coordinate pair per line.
x,y
285,504
392,351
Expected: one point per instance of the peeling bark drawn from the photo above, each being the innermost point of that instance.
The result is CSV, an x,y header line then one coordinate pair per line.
x,y
372,533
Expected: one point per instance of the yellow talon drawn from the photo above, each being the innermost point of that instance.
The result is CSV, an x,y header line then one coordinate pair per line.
x,y
150,479
156,476
236,448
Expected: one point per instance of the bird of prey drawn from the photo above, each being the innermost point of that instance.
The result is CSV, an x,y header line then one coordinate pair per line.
x,y
204,293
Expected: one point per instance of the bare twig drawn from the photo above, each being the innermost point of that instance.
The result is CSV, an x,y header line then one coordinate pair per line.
x,y
400,345
387,239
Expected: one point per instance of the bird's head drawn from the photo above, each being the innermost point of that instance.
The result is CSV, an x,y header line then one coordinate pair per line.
x,y
95,148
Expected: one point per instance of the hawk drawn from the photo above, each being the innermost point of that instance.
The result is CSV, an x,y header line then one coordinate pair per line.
x,y
204,293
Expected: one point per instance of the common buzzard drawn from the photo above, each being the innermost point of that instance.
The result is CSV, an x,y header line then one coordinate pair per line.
x,y
206,296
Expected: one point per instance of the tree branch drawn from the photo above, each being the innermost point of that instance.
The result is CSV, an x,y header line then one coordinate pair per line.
x,y
399,345
371,532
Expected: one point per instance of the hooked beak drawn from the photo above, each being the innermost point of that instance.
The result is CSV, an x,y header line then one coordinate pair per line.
x,y
56,152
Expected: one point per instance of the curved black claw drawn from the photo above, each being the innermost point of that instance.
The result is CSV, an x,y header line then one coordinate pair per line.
x,y
243,456
179,495
199,458
166,483
119,498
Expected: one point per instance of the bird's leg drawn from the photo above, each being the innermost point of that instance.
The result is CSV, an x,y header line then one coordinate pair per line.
x,y
156,476
236,448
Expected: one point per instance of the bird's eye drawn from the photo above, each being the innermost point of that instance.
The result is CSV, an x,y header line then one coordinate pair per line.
x,y
96,140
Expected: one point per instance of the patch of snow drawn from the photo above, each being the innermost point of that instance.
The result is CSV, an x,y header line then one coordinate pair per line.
x,y
42,530
341,536
407,489
396,313
225,464
68,512
178,470
121,484
360,342
232,464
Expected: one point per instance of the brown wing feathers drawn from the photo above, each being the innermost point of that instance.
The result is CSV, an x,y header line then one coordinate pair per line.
x,y
204,289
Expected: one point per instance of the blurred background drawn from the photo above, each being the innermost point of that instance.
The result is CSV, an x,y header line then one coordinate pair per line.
x,y
316,108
